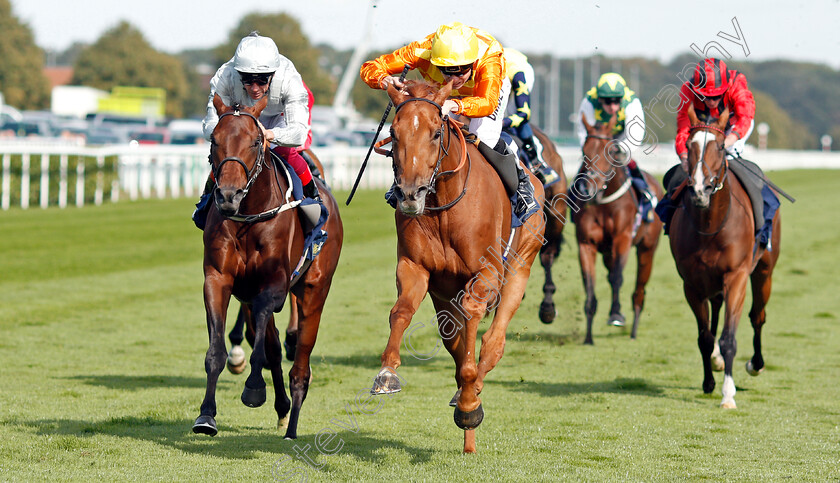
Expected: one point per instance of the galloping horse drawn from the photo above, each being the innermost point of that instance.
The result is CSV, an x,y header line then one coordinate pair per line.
x,y
236,360
714,247
252,247
607,223
555,220
454,242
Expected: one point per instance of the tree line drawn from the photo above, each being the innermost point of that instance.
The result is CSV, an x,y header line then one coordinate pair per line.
x,y
800,101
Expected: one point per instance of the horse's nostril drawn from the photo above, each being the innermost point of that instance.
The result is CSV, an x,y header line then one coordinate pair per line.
x,y
398,192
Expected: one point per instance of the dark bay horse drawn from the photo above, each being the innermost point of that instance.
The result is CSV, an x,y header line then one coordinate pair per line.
x,y
713,242
453,231
254,259
607,223
236,360
554,210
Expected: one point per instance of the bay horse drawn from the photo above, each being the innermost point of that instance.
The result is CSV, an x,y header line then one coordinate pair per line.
x,y
253,243
236,360
713,243
607,223
453,231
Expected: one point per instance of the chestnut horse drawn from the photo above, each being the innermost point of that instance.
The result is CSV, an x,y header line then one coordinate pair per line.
x,y
453,229
554,209
607,223
252,245
713,242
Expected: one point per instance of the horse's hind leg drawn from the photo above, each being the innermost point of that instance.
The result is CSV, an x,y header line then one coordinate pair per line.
x,y
274,357
644,259
761,281
292,329
548,254
236,361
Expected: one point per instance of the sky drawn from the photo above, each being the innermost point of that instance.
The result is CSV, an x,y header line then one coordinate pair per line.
x,y
795,30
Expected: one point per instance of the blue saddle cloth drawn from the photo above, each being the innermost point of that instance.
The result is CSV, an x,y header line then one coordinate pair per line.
x,y
316,237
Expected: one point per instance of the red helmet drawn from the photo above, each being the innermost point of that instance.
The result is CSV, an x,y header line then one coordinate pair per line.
x,y
711,78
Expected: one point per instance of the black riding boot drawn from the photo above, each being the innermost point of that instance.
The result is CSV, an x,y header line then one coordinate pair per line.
x,y
199,216
545,173
646,197
311,191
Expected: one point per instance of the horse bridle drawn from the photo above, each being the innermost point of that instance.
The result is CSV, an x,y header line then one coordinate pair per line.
x,y
443,151
252,173
621,189
724,166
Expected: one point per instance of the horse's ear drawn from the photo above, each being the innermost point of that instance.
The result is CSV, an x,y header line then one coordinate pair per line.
x,y
397,96
723,119
259,106
692,116
219,104
586,125
443,93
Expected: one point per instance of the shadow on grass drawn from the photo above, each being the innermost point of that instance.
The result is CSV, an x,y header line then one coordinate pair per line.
x,y
618,386
231,443
135,383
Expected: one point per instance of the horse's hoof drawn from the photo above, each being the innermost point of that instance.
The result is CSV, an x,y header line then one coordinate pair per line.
x,y
751,369
728,405
253,398
548,312
454,401
386,382
290,345
236,361
718,363
470,419
205,425
616,320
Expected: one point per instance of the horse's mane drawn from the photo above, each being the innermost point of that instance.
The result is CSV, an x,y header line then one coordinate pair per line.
x,y
420,88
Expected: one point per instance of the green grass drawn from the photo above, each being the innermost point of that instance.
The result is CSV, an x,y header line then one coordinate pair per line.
x,y
104,342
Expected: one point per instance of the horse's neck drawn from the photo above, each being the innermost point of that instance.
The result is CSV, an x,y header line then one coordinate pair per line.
x,y
265,193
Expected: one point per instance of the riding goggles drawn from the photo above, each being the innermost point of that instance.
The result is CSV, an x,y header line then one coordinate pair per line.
x,y
610,100
455,70
259,79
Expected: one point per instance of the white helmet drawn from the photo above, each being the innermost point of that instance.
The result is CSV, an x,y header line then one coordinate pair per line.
x,y
256,54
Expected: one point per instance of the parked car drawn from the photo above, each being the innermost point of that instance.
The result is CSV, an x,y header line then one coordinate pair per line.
x,y
151,135
186,131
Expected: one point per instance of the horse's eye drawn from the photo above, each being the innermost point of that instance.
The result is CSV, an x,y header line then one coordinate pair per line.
x,y
437,134
258,142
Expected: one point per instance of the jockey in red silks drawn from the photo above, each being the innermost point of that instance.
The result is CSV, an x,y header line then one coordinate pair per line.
x,y
257,70
712,89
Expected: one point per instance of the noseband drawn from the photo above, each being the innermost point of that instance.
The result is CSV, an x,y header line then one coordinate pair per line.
x,y
449,125
619,192
720,176
252,173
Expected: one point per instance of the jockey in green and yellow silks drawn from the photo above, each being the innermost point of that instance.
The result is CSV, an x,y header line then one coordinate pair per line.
x,y
611,97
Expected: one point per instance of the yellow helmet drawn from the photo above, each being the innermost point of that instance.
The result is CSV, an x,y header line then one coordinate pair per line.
x,y
454,44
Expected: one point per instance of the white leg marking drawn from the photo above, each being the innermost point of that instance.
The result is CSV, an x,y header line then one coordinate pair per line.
x,y
728,401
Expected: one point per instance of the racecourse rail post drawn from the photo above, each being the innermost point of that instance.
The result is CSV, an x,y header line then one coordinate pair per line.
x,y
375,137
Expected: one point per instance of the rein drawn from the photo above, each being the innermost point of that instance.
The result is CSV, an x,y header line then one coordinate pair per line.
x,y
722,174
443,151
599,199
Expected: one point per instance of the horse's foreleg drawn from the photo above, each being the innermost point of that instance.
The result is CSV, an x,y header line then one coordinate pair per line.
x,y
274,357
734,293
705,338
451,325
301,371
216,298
717,359
263,307
586,255
412,285
615,263
468,410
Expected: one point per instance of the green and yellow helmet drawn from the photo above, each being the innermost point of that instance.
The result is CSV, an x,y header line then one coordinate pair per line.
x,y
611,85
